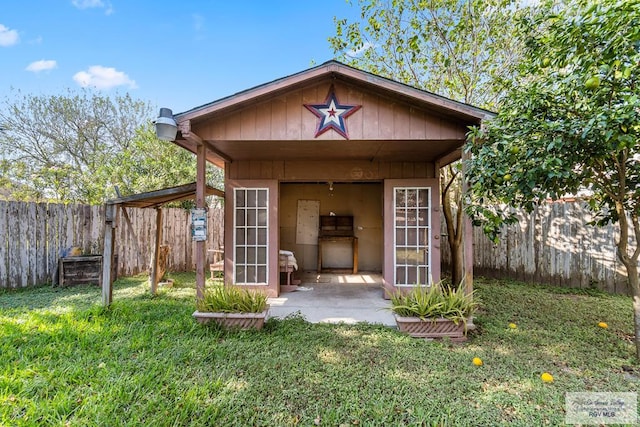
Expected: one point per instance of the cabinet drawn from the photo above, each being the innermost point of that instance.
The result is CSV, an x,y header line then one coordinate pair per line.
x,y
337,228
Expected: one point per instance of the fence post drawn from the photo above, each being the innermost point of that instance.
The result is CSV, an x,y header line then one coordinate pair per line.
x,y
107,254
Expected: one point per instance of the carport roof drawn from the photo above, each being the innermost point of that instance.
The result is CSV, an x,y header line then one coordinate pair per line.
x,y
154,199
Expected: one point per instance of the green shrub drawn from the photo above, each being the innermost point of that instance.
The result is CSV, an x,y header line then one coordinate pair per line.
x,y
232,299
434,301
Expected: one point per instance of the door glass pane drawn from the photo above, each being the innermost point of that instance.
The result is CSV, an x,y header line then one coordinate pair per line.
x,y
251,255
400,275
251,198
414,257
412,217
401,217
252,276
423,238
262,217
400,237
240,255
240,236
423,217
251,236
424,276
262,236
240,276
401,256
251,218
262,197
412,198
262,256
412,276
240,217
423,197
412,236
262,274
240,198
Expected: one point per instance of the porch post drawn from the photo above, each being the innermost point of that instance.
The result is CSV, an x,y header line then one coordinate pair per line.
x,y
201,249
156,252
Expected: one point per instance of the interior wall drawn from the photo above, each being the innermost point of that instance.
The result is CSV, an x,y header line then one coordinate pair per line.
x,y
361,200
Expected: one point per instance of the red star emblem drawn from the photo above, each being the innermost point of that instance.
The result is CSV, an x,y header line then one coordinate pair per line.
x,y
332,114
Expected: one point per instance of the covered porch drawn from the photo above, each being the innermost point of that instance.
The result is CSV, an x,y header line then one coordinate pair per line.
x,y
335,298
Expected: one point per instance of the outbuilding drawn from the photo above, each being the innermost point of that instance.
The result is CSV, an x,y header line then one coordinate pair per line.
x,y
336,165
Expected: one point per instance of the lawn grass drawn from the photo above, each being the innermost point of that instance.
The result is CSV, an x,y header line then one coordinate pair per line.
x,y
64,360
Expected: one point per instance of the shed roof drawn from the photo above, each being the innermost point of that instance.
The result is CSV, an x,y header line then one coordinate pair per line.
x,y
204,125
339,71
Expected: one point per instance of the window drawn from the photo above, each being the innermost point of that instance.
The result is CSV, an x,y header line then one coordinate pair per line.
x,y
412,226
251,221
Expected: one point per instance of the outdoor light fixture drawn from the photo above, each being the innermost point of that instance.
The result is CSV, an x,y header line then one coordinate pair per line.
x,y
166,126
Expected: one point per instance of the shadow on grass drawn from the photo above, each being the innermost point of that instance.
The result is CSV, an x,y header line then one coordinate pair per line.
x,y
72,297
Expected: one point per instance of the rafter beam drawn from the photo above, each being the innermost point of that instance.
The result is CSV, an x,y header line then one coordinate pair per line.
x,y
449,157
194,140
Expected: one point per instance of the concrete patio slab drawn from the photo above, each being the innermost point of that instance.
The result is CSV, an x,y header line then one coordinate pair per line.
x,y
336,298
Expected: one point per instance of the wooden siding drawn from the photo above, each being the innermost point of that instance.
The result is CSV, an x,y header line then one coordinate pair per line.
x,y
33,237
554,245
335,171
285,118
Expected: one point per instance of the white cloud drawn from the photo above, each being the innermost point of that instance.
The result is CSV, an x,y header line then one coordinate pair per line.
x,y
8,37
42,65
198,22
103,78
355,53
87,4
90,4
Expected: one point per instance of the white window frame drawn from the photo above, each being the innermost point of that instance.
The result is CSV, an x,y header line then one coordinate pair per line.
x,y
421,281
261,223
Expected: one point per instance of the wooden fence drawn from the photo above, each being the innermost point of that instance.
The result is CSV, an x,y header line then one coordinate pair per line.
x,y
553,245
33,236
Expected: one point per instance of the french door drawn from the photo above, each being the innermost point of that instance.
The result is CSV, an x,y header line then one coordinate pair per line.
x,y
412,234
251,220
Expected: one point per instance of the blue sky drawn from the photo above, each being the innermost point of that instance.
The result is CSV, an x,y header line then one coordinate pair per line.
x,y
178,54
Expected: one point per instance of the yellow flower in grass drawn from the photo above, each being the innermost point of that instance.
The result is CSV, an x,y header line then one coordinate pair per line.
x,y
512,326
603,325
477,361
546,377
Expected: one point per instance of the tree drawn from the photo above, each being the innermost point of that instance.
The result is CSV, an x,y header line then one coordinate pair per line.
x,y
150,164
570,123
460,49
59,141
78,147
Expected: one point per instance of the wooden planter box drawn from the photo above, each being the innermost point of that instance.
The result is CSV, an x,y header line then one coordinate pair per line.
x,y
432,328
237,321
80,270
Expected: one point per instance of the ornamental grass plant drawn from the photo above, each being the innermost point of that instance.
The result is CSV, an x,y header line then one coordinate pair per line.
x,y
437,300
232,299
